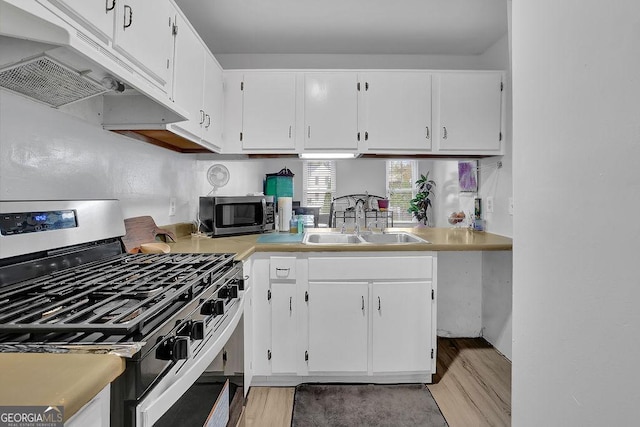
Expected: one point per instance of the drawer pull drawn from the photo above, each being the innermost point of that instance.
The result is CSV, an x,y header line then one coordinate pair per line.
x,y
379,305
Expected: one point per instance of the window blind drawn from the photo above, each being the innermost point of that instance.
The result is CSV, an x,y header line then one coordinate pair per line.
x,y
319,181
401,178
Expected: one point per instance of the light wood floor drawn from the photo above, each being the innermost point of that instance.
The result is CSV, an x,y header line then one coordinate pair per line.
x,y
472,388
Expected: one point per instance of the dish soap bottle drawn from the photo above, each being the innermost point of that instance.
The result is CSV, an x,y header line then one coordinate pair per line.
x,y
293,225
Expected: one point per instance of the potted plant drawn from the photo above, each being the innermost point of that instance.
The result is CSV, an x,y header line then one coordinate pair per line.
x,y
420,204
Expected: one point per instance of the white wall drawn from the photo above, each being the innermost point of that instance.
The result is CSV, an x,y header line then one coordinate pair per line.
x,y
47,154
576,124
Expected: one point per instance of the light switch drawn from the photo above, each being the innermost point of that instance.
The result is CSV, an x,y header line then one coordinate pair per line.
x,y
172,206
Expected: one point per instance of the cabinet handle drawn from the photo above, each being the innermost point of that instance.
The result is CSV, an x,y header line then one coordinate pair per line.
x,y
358,136
366,136
444,132
109,8
428,135
289,132
201,116
290,308
308,131
363,303
126,6
208,121
379,305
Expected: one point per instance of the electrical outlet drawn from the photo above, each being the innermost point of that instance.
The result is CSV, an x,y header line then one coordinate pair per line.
x,y
489,205
510,206
172,206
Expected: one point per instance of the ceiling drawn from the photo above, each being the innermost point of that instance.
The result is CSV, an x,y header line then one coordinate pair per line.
x,y
375,27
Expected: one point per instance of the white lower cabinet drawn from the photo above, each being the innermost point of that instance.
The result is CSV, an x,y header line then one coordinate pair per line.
x,y
343,317
283,328
338,323
401,327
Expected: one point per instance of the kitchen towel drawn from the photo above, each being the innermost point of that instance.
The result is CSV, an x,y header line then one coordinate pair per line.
x,y
284,211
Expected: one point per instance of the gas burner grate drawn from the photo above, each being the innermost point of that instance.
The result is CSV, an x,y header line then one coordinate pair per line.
x,y
117,296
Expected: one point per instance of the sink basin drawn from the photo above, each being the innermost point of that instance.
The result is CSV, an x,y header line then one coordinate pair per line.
x,y
391,238
330,239
373,238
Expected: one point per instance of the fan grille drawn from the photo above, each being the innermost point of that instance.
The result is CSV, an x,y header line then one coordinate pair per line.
x,y
48,81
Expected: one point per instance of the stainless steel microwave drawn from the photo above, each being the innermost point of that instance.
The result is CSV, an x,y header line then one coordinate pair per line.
x,y
228,215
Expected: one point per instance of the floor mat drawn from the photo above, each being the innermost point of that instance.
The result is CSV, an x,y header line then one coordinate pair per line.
x,y
365,405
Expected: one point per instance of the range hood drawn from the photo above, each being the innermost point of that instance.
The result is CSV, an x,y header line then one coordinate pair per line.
x,y
46,59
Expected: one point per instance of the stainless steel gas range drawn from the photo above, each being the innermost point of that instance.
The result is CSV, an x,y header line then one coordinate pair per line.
x,y
66,285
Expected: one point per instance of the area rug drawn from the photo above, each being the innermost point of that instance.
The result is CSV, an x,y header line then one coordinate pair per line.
x,y
365,405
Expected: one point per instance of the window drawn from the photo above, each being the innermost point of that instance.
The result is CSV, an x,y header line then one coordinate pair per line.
x,y
319,184
401,176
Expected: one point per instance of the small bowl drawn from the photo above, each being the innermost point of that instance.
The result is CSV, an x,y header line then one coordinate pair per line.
x,y
155,248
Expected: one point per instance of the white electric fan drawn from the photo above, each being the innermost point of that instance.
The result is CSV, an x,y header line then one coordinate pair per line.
x,y
218,176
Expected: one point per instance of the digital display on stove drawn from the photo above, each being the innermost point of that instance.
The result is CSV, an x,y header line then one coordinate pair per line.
x,y
33,222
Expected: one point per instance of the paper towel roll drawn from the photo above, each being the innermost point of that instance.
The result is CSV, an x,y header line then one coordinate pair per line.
x,y
284,211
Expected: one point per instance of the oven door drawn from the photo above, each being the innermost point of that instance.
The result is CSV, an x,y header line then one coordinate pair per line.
x,y
184,372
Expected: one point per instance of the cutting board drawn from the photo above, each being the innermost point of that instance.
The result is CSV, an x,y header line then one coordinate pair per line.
x,y
280,238
142,229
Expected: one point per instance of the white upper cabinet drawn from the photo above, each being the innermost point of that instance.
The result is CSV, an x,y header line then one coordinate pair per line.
x,y
197,88
144,34
96,15
331,111
268,111
469,106
188,78
213,103
397,111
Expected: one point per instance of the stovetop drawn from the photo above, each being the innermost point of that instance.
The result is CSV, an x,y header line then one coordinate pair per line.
x,y
125,295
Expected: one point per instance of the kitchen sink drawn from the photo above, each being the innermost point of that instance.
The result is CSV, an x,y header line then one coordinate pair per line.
x,y
330,239
350,238
390,238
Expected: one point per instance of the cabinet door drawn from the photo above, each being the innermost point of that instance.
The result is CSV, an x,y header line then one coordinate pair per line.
x,y
188,78
338,324
401,327
143,33
261,305
212,104
331,111
283,328
95,15
269,111
470,111
397,108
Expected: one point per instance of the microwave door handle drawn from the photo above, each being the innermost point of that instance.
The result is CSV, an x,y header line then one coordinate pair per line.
x,y
264,214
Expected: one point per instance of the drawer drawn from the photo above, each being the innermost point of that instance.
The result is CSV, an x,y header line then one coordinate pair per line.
x,y
282,268
371,268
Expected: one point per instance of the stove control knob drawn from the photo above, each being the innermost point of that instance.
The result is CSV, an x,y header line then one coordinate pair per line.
x,y
239,282
173,348
230,291
197,330
212,307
